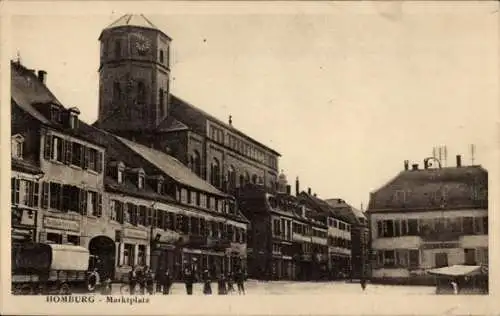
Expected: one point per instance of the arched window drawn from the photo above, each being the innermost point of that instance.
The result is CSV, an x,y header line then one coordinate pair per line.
x,y
195,162
215,173
141,93
231,177
254,179
117,91
118,49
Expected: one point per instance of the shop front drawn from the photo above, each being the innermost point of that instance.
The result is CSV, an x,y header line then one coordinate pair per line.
x,y
132,249
60,230
164,252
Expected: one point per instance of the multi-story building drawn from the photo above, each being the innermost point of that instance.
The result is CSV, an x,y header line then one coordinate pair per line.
x,y
127,203
135,103
339,234
427,218
285,240
358,236
69,194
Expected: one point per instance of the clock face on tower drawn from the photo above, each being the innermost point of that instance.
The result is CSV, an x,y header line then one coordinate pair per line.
x,y
142,43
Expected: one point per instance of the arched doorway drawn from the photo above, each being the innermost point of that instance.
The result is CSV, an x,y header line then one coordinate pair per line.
x,y
103,248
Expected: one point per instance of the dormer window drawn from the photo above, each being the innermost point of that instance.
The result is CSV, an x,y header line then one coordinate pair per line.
x,y
73,118
159,185
120,169
140,178
17,146
56,114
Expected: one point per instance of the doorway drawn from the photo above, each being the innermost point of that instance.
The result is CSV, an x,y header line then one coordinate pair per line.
x,y
103,248
441,259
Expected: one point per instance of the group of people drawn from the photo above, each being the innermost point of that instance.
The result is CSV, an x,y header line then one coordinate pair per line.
x,y
225,284
146,279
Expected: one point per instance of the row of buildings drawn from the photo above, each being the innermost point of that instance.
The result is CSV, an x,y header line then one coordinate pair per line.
x,y
157,181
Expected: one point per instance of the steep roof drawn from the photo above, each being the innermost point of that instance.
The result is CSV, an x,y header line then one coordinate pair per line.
x,y
196,119
346,210
134,20
326,209
172,167
27,89
428,189
170,124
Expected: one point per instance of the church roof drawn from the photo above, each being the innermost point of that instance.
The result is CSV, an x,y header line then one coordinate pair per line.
x,y
133,20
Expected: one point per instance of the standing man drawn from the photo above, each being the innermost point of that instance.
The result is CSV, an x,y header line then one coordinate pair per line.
x,y
132,279
167,282
188,279
240,280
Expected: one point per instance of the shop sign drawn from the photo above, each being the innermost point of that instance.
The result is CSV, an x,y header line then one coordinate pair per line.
x,y
168,237
135,233
60,223
441,245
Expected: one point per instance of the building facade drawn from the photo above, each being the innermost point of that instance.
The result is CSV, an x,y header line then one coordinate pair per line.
x,y
427,218
128,204
135,103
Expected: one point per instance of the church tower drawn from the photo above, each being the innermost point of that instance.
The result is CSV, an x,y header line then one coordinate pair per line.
x,y
134,75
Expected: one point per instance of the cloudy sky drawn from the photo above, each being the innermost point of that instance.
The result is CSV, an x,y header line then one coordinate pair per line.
x,y
345,92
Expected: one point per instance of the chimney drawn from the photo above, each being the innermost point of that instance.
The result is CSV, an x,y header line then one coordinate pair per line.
x,y
414,166
407,164
426,163
459,161
288,189
42,75
297,188
309,191
231,120
315,195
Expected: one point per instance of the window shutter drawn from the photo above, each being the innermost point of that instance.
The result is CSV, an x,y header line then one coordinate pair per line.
x,y
47,149
13,190
119,212
45,195
68,151
18,188
98,162
149,216
30,187
86,157
99,205
36,194
83,202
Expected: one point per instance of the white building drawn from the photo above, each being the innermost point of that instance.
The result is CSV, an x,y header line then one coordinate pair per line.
x,y
427,218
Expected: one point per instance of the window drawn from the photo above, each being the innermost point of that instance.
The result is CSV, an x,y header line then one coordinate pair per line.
x,y
70,198
57,149
92,163
441,259
404,227
73,239
215,173
470,256
113,210
92,203
203,200
468,225
141,255
128,254
184,196
77,154
161,56
25,192
119,177
55,114
55,196
276,227
140,183
231,177
141,93
118,49
117,93
196,163
412,227
142,215
17,147
389,258
402,257
54,238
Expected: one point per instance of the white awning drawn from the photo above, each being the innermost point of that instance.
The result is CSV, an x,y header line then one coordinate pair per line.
x,y
456,270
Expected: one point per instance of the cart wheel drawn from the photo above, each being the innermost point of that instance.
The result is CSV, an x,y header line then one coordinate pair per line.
x,y
65,289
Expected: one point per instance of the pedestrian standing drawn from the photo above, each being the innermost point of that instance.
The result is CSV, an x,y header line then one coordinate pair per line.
x,y
132,279
363,283
240,280
221,285
149,280
230,282
207,287
189,280
159,280
167,282
141,279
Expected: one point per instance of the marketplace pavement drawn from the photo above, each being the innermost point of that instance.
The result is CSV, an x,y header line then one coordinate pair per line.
x,y
254,287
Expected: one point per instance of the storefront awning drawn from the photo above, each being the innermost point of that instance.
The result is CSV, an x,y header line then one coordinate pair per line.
x,y
456,270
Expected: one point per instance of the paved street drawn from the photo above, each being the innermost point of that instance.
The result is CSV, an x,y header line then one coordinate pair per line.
x,y
254,287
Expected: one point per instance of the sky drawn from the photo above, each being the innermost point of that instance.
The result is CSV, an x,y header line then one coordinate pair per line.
x,y
345,92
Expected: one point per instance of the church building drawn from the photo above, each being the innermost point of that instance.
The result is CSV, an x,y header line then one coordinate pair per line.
x,y
135,103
